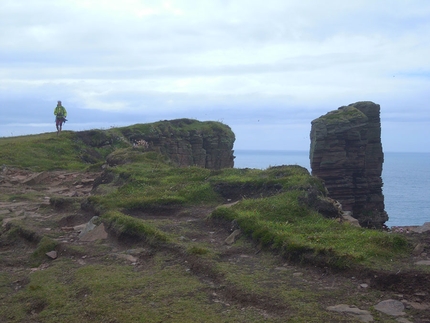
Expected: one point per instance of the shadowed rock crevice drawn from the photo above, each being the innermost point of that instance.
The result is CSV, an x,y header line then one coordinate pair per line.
x,y
346,152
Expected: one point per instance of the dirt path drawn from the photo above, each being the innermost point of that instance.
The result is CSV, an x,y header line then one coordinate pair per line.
x,y
241,275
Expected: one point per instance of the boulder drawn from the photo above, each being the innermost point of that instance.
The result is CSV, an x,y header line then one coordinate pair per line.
x,y
98,233
391,307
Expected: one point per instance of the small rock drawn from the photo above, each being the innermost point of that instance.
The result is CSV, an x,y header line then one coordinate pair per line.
x,y
420,294
130,258
87,180
423,263
52,254
99,233
403,320
362,315
79,227
420,306
391,307
88,227
364,285
351,220
419,248
232,237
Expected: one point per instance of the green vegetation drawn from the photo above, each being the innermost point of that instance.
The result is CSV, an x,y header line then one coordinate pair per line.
x,y
346,114
271,212
179,272
45,245
282,224
86,150
128,227
40,152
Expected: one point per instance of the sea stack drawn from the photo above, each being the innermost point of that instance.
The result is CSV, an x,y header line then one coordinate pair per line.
x,y
346,152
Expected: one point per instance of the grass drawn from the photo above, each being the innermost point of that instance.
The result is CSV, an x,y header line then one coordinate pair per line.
x,y
41,152
89,149
128,227
174,279
346,114
279,222
282,224
152,184
66,292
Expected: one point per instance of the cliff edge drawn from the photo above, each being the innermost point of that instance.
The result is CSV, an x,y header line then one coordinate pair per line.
x,y
186,142
346,152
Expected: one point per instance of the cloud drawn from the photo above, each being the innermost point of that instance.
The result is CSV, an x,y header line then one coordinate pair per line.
x,y
248,63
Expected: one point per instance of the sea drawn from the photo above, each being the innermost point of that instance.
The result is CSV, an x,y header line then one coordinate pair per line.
x,y
405,176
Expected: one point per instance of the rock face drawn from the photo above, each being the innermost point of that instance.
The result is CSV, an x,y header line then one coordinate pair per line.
x,y
192,143
186,142
346,152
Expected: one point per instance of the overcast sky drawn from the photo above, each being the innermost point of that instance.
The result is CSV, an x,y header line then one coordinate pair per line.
x,y
265,68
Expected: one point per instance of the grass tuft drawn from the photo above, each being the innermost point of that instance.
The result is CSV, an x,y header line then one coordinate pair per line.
x,y
125,226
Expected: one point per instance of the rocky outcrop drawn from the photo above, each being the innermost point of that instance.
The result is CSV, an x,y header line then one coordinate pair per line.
x,y
189,142
346,152
186,142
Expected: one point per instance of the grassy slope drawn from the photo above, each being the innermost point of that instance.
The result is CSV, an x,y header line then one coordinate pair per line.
x,y
279,222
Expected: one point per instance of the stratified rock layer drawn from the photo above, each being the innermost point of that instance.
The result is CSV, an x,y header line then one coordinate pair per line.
x,y
190,142
346,152
186,142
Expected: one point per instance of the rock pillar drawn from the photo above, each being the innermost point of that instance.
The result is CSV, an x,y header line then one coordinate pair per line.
x,y
346,152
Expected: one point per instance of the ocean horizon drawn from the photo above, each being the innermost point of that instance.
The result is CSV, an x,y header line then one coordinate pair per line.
x,y
405,176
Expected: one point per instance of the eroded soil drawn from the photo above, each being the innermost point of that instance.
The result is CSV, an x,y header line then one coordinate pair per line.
x,y
242,276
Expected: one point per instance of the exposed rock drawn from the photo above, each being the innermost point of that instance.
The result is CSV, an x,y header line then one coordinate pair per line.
x,y
88,227
52,254
35,178
185,142
403,320
423,263
326,206
346,152
232,237
98,233
129,258
391,307
419,248
362,315
351,220
419,306
421,229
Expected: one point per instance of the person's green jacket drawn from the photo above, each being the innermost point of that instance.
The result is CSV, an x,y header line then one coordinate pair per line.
x,y
60,111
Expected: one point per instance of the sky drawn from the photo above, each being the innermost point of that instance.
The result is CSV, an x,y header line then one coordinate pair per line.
x,y
264,68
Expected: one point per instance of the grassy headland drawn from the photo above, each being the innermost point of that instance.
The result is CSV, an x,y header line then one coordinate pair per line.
x,y
142,202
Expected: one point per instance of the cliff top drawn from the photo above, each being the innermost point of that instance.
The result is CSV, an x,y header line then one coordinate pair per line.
x,y
89,149
187,244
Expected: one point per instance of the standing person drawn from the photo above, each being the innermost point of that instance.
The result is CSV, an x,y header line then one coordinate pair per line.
x,y
60,116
